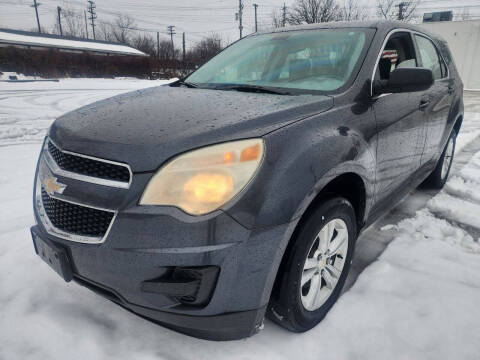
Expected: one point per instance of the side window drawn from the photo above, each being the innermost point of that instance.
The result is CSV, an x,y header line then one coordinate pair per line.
x,y
398,52
430,58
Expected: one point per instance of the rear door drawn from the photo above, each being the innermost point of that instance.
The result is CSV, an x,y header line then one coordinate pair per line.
x,y
437,99
399,121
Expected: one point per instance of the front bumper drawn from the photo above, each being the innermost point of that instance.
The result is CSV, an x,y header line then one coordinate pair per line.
x,y
117,269
228,326
147,244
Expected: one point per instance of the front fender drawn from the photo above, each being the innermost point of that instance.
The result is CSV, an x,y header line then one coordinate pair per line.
x,y
301,159
350,167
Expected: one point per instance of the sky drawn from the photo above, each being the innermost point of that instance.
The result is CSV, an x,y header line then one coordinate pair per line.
x,y
196,18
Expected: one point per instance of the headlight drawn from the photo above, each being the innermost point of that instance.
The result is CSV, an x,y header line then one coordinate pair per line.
x,y
203,180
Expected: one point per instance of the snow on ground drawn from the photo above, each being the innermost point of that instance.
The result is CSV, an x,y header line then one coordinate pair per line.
x,y
28,109
460,202
418,300
5,75
470,130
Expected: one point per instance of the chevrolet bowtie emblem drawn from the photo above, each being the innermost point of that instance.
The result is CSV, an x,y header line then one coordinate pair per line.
x,y
52,186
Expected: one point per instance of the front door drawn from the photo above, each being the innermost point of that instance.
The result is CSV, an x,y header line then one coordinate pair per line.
x,y
400,123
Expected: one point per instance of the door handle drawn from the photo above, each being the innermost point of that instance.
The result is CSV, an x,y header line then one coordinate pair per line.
x,y
423,104
451,89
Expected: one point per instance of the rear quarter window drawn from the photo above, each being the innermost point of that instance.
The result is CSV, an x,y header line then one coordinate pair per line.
x,y
430,57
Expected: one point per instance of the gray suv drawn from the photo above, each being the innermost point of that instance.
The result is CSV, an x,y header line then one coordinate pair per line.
x,y
238,192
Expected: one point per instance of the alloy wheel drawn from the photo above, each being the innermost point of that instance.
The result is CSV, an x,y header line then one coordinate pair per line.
x,y
324,264
448,158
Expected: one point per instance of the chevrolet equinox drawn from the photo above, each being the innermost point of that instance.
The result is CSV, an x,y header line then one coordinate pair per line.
x,y
238,192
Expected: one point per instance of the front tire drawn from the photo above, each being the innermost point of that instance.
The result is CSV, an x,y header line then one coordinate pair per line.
x,y
316,267
439,176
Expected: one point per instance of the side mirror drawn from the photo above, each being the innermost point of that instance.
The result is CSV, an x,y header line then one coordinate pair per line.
x,y
405,80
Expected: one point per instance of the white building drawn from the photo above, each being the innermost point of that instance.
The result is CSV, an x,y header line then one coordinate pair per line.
x,y
30,40
463,38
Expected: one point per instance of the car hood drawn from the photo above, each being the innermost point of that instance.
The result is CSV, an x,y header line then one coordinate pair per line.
x,y
144,128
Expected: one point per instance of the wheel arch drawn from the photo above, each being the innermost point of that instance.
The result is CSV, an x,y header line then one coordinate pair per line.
x,y
348,185
458,124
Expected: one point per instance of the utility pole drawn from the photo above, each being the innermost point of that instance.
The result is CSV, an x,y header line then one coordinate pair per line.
x,y
86,24
255,6
172,32
158,46
183,46
240,16
158,55
284,15
36,5
401,8
93,15
59,10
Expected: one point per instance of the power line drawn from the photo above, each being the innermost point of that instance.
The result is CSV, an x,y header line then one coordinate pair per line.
x,y
179,17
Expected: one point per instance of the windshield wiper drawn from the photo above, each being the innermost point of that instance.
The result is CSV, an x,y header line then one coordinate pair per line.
x,y
252,88
186,83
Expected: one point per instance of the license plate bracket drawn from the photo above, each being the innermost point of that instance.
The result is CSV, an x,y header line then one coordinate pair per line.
x,y
55,256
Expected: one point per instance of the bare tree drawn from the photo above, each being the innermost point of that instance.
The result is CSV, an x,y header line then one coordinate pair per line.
x,y
313,11
276,19
122,28
104,31
205,49
350,11
144,43
394,10
165,53
72,23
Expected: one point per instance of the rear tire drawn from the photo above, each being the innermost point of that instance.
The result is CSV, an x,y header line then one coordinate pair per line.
x,y
439,176
313,274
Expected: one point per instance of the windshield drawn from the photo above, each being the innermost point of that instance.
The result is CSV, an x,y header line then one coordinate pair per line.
x,y
321,60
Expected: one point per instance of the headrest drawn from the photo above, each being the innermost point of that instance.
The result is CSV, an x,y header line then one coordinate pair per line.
x,y
384,66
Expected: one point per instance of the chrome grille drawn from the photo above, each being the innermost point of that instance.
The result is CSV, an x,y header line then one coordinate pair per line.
x,y
88,166
65,218
76,219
